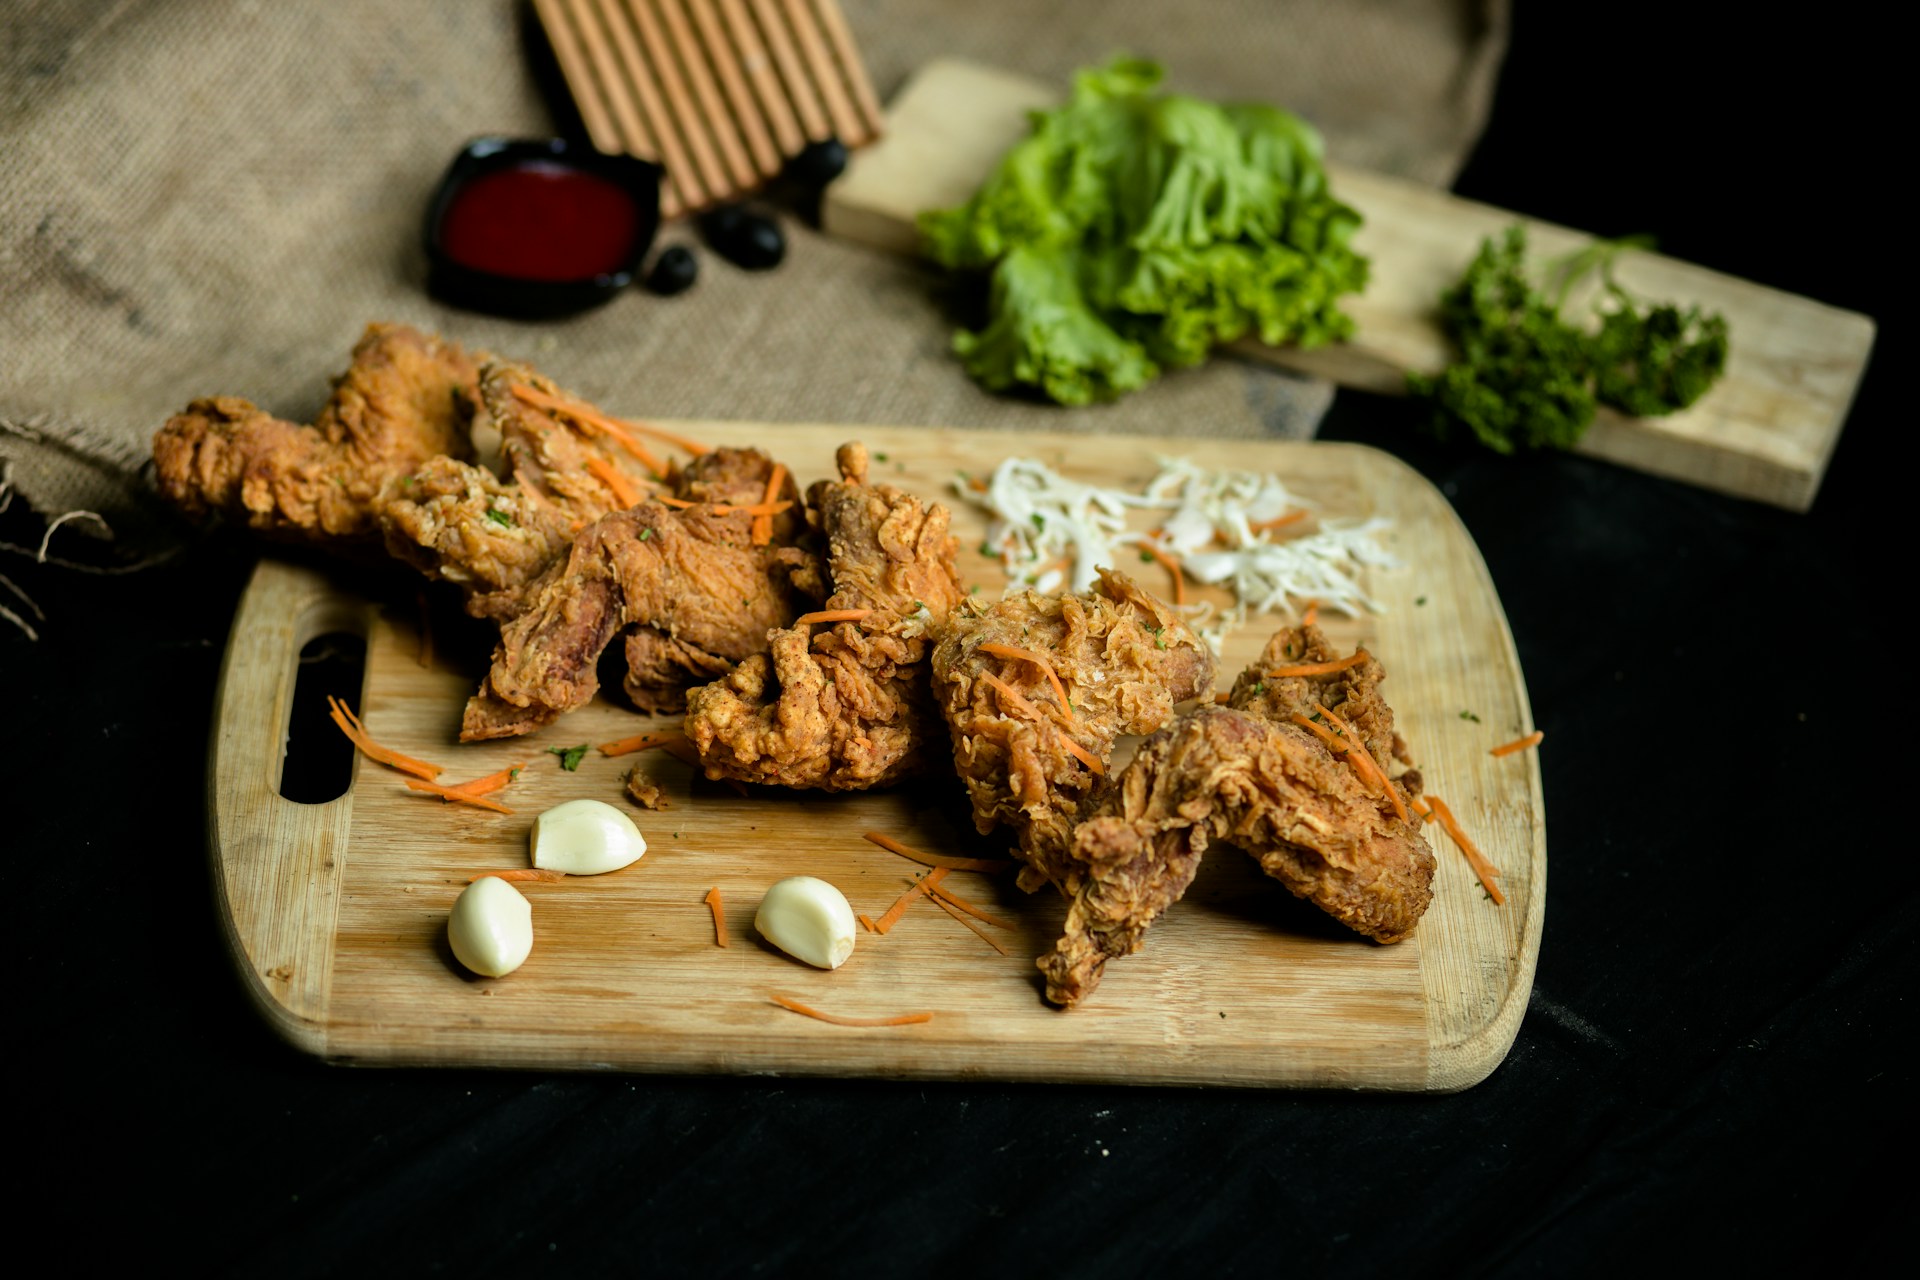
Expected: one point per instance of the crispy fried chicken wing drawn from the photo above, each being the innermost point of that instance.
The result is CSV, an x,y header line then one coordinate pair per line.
x,y
1249,776
406,397
845,706
1122,658
457,522
693,582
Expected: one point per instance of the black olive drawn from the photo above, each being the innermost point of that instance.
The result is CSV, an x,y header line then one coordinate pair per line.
x,y
748,240
815,165
674,271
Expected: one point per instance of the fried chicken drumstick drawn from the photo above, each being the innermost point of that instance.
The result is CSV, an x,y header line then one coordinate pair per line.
x,y
406,398
843,706
1249,775
1036,689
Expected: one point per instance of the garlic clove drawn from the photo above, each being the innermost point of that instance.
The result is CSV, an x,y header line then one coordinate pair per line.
x,y
585,838
491,927
808,919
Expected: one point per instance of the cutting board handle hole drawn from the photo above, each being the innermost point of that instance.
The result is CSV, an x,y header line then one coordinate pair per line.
x,y
318,764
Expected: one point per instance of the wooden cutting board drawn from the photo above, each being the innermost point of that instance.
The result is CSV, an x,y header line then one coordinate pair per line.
x,y
336,912
1765,431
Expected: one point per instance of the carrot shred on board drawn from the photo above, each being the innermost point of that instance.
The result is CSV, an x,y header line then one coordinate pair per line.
x,y
1354,659
976,484
642,742
350,724
1312,615
1085,756
763,525
830,615
1369,768
462,797
940,892
520,874
491,783
940,901
988,865
840,1020
715,905
587,415
1475,859
1016,653
891,916
1519,744
866,922
1173,567
1279,522
624,491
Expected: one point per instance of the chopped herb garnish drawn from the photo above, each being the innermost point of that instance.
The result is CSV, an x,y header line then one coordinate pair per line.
x,y
974,590
879,457
1039,520
500,517
406,482
1260,688
1420,600
570,757
1468,715
645,534
1146,557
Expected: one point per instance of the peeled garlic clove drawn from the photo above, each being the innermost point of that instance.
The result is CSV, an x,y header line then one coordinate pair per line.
x,y
585,838
808,919
491,927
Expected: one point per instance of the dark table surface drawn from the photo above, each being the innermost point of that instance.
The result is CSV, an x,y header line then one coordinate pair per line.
x,y
1710,1068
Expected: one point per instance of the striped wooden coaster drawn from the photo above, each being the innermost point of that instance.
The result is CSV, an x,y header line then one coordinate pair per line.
x,y
719,92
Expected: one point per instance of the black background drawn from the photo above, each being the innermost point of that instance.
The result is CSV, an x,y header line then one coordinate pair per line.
x,y
1712,1068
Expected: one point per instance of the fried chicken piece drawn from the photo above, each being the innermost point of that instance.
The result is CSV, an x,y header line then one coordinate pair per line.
x,y
1122,657
457,522
692,578
406,397
845,707
645,792
1248,775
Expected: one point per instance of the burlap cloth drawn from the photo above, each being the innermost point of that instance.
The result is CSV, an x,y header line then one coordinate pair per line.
x,y
214,196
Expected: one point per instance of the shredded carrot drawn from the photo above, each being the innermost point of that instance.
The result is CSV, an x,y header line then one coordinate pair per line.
x,y
941,892
976,484
1519,744
624,491
989,865
1320,668
1085,756
520,874
491,783
891,916
674,438
1279,522
830,615
1312,615
356,732
679,503
1012,697
719,919
642,742
1477,860
1018,654
1222,699
1369,768
940,902
1334,743
1420,807
1172,567
867,922
587,415
838,1020
683,750
763,525
449,793
754,509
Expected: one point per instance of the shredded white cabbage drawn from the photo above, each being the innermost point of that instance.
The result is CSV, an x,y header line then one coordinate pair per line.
x,y
1225,527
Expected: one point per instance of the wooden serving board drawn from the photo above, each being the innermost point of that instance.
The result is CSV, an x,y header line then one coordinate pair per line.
x,y
1765,432
336,912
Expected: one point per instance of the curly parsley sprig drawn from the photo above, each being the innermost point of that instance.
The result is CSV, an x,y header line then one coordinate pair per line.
x,y
1527,379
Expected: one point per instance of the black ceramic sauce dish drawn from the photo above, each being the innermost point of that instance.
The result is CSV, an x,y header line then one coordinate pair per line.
x,y
540,227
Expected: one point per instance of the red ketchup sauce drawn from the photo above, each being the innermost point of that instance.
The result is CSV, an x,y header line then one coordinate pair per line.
x,y
541,222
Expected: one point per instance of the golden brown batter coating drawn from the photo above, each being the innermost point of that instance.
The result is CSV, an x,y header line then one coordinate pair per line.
x,y
1124,659
406,397
843,706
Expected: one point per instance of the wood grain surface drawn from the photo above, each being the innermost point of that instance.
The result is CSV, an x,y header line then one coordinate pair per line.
x,y
1766,431
337,912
